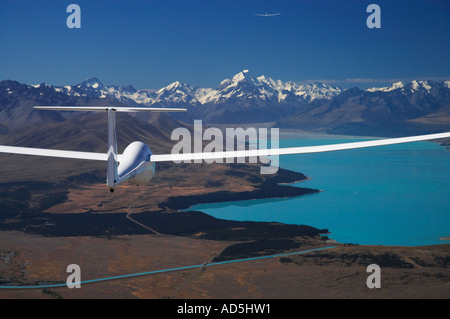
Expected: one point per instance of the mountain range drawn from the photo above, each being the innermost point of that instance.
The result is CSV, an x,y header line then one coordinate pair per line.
x,y
402,108
242,86
417,107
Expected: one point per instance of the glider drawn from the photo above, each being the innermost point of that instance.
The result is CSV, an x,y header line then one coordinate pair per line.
x,y
137,163
267,14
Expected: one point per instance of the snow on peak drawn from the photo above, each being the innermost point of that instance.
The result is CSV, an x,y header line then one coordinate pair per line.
x,y
278,85
425,85
316,90
418,85
397,85
243,76
92,82
178,92
394,86
172,86
411,87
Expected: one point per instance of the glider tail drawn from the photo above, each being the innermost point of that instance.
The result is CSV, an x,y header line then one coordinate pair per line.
x,y
111,175
112,157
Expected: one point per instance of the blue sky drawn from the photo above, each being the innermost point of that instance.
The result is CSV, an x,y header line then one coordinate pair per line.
x,y
150,44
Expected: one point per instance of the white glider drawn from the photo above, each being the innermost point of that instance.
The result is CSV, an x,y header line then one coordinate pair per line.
x,y
137,163
267,14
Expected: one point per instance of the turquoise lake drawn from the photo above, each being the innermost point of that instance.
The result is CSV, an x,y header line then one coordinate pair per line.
x,y
387,195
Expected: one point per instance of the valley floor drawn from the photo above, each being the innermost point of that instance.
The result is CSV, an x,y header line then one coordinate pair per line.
x,y
340,272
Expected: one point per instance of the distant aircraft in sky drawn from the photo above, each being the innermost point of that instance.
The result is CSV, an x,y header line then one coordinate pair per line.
x,y
267,14
137,163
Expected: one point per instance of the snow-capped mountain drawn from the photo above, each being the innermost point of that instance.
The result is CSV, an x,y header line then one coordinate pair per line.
x,y
411,87
317,90
417,107
394,86
244,86
178,93
245,97
93,87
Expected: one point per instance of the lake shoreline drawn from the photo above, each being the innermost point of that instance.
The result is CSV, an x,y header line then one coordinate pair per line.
x,y
346,183
53,224
269,189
